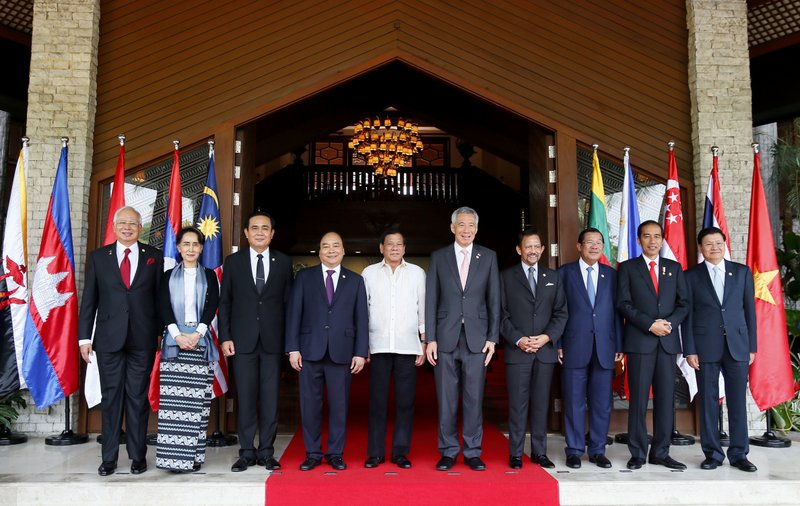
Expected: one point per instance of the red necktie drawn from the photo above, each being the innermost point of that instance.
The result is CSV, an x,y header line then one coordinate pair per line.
x,y
125,268
653,275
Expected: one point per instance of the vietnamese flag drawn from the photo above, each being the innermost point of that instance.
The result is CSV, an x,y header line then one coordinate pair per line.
x,y
771,381
598,217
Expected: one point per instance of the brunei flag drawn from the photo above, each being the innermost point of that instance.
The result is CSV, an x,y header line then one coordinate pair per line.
x,y
14,282
598,217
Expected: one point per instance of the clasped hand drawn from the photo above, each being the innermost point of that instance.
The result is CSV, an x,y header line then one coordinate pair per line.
x,y
532,344
186,341
661,327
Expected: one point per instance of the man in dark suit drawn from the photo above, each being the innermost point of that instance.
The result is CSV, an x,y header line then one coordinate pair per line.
x,y
592,342
255,288
534,316
720,335
119,294
327,338
462,311
653,297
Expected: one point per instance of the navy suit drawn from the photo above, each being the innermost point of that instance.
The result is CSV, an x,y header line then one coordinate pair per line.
x,y
528,375
327,336
591,339
651,359
722,334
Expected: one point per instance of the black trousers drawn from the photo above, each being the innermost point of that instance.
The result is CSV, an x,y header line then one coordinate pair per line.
x,y
528,393
124,382
382,367
257,377
646,369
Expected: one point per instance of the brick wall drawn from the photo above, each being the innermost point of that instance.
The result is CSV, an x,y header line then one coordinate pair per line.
x,y
62,100
719,85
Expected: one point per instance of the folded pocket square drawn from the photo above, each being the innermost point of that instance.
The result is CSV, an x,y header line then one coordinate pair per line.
x,y
549,284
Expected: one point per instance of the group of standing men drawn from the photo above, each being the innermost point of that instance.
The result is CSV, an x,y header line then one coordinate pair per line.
x,y
331,321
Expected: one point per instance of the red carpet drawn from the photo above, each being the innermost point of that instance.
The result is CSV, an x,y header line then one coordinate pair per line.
x,y
420,485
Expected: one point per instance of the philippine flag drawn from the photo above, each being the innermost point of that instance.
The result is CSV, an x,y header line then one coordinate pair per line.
x,y
50,354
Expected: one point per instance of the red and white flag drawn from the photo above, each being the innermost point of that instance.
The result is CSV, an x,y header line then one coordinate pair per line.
x,y
674,247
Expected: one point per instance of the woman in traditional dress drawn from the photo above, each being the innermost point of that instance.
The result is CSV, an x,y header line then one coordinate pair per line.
x,y
188,299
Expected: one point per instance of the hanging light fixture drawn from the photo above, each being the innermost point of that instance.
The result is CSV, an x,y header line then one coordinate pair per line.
x,y
386,145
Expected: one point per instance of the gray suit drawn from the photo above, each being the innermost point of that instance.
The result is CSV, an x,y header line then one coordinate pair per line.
x,y
529,375
460,321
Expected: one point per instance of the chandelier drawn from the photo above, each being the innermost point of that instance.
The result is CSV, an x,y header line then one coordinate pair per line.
x,y
386,145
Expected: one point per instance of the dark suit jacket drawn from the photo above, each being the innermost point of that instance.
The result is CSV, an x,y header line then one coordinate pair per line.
x,y
639,304
209,306
244,315
601,323
447,304
525,316
116,306
711,325
313,327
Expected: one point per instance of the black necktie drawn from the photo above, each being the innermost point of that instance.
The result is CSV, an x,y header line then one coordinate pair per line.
x,y
260,280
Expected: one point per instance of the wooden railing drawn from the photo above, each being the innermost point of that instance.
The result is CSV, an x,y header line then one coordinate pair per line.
x,y
421,184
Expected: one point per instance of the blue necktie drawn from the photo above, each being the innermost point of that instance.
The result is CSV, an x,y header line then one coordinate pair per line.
x,y
590,285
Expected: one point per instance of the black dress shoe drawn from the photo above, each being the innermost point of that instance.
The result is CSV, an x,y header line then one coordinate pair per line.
x,y
309,464
336,462
374,462
475,463
573,461
709,464
106,468
745,465
401,461
242,464
635,463
543,461
668,462
600,461
515,462
196,467
270,463
445,464
138,466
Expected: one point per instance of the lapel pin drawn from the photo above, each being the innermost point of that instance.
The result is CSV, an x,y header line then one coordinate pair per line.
x,y
477,256
602,275
670,274
544,275
343,276
110,252
730,274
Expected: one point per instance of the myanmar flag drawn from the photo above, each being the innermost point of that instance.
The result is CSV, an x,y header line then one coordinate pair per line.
x,y
598,217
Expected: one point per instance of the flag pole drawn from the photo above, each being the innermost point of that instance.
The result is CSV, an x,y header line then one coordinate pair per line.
x,y
7,436
67,436
219,438
769,439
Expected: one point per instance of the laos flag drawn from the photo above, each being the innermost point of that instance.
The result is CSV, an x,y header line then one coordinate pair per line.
x,y
50,352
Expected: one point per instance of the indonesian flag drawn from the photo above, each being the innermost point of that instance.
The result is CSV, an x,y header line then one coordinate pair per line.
x,y
771,380
674,248
598,216
50,355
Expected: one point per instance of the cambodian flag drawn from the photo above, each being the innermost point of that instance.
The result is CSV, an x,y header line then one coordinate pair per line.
x,y
208,222
50,354
173,223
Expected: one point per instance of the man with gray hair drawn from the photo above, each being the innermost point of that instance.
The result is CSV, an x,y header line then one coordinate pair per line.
x,y
120,289
462,311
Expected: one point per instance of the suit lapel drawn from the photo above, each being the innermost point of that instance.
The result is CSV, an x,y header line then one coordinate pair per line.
x,y
247,268
577,280
727,281
344,278
113,263
454,264
645,269
522,278
709,284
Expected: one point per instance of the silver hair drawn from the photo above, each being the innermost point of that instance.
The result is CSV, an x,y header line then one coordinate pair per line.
x,y
463,210
127,208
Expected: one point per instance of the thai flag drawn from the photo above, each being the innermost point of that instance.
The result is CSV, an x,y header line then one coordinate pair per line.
x,y
713,212
173,222
628,246
208,221
50,354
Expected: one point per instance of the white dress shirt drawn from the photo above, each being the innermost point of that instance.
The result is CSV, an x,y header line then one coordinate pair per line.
x,y
133,256
595,272
647,261
335,276
396,301
457,248
254,265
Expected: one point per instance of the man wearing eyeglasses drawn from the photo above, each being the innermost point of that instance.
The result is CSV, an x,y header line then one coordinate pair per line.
x,y
592,342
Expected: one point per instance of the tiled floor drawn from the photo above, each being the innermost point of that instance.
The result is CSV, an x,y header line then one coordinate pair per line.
x,y
34,473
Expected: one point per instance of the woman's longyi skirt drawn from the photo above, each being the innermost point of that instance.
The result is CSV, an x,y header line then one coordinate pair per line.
x,y
186,390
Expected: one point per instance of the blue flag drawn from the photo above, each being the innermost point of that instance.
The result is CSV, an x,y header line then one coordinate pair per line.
x,y
628,246
208,220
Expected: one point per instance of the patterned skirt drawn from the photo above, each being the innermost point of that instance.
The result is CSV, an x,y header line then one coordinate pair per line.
x,y
186,390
